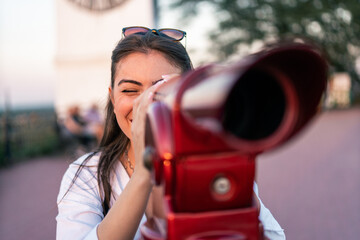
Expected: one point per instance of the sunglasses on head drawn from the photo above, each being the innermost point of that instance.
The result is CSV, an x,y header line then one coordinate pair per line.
x,y
171,33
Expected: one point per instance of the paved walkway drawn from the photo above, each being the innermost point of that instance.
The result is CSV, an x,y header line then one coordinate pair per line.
x,y
311,185
28,194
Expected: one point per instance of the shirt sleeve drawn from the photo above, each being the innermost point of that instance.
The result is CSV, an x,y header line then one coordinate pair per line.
x,y
272,228
79,206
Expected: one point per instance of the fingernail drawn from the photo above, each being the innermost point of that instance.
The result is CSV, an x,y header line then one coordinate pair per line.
x,y
162,81
167,77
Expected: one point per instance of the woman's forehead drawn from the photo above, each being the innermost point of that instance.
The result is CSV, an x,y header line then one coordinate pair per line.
x,y
144,67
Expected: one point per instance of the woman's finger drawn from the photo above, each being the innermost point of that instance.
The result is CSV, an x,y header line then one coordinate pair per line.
x,y
170,77
140,105
151,91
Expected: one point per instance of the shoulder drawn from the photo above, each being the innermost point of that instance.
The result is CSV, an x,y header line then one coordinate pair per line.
x,y
82,174
272,228
89,160
88,164
79,201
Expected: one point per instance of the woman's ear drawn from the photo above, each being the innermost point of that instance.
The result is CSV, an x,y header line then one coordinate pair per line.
x,y
111,96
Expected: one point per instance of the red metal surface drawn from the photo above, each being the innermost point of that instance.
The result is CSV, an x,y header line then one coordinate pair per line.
x,y
196,145
244,224
195,176
299,69
159,135
215,225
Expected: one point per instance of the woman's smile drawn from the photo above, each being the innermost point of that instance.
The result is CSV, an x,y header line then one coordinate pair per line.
x,y
136,73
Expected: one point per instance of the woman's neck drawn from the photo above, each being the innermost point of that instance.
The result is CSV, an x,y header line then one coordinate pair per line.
x,y
131,155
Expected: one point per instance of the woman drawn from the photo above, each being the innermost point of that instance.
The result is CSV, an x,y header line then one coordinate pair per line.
x,y
108,194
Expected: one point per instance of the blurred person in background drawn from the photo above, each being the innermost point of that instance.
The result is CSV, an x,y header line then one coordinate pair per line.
x,y
108,194
94,123
87,129
74,122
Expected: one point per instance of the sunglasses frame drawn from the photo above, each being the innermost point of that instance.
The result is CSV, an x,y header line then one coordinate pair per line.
x,y
157,32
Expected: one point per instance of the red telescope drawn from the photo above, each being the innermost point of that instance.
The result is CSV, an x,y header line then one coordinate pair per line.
x,y
204,132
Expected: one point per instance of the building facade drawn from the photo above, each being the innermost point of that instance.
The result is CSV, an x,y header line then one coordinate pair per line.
x,y
87,32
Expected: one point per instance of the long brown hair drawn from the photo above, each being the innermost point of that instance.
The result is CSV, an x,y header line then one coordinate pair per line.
x,y
114,142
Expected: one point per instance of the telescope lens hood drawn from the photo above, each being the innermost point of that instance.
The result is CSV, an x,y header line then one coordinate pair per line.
x,y
255,106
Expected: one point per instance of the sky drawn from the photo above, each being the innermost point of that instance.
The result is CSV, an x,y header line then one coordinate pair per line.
x,y
197,29
27,47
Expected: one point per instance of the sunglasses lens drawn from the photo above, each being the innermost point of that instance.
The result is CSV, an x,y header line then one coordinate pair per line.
x,y
173,33
134,30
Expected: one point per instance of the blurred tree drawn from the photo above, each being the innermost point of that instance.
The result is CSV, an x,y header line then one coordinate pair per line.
x,y
335,25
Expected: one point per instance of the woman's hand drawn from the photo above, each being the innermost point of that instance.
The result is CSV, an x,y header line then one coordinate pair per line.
x,y
140,107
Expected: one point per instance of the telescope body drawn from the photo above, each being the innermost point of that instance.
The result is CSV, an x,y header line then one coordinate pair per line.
x,y
206,130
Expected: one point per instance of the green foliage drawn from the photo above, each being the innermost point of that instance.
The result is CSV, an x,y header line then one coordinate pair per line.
x,y
335,25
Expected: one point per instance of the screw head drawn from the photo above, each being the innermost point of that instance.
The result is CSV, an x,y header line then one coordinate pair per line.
x,y
222,185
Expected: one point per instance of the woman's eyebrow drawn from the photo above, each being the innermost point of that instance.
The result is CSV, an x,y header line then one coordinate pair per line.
x,y
129,81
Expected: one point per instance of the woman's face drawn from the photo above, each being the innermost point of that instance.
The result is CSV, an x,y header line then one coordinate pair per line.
x,y
134,74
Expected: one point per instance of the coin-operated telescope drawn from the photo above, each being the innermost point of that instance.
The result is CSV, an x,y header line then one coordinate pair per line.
x,y
205,131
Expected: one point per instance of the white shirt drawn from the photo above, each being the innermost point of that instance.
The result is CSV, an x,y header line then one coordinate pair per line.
x,y
80,211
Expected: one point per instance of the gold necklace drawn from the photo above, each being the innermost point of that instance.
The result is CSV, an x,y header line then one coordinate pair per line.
x,y
129,165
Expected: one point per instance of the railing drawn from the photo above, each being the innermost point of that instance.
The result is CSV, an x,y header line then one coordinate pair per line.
x,y
27,133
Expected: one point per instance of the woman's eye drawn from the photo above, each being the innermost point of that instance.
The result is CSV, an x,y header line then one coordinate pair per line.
x,y
129,91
